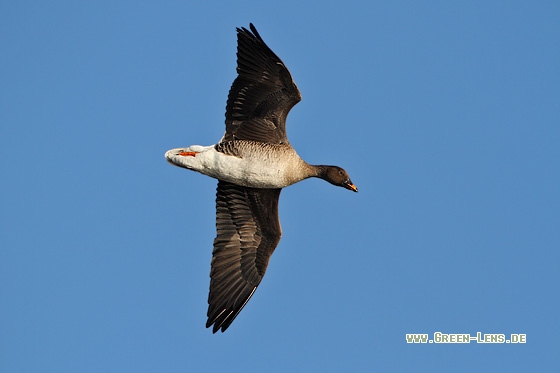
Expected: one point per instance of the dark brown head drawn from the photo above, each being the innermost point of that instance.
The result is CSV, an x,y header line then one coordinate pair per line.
x,y
337,176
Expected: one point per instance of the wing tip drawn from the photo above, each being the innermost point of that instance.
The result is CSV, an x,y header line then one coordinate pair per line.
x,y
224,319
251,32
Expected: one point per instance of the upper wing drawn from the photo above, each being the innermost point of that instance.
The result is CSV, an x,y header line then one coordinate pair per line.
x,y
248,231
262,94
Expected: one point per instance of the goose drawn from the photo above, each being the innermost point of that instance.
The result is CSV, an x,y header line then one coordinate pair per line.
x,y
252,162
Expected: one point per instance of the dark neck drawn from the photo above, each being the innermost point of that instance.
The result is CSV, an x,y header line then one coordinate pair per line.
x,y
319,171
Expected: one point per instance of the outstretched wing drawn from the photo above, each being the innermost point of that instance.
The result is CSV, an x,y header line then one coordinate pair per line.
x,y
248,231
262,94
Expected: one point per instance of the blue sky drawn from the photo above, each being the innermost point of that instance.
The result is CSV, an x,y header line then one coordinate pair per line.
x,y
445,114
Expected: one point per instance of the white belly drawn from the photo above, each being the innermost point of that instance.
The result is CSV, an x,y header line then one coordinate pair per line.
x,y
257,172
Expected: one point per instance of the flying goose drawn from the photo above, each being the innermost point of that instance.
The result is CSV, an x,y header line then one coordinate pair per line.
x,y
252,162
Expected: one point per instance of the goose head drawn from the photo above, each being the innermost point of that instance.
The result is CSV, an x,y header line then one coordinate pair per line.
x,y
337,176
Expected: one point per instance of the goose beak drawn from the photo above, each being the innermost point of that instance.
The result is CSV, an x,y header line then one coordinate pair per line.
x,y
349,185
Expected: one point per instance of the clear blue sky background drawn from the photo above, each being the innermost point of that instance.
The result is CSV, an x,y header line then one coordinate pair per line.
x,y
446,115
